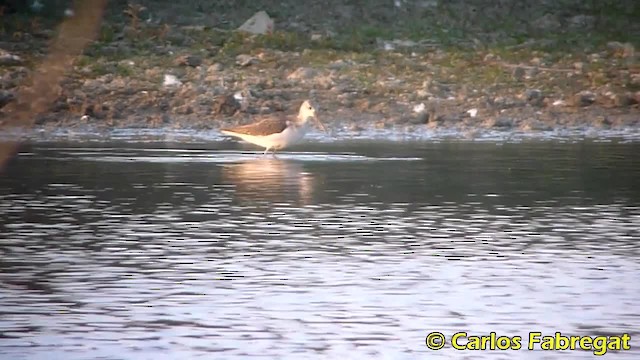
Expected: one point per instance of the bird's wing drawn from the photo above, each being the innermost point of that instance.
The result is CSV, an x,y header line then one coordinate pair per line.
x,y
261,128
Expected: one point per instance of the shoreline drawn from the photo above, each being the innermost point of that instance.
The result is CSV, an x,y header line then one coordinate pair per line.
x,y
89,134
436,72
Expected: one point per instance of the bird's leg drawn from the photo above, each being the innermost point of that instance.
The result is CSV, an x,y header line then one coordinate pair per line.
x,y
274,154
266,151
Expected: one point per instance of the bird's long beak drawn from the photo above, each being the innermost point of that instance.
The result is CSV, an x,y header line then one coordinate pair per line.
x,y
320,124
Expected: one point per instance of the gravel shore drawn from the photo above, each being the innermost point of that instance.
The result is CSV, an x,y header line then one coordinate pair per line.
x,y
466,66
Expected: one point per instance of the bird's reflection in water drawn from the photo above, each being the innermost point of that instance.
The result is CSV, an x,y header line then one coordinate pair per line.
x,y
271,180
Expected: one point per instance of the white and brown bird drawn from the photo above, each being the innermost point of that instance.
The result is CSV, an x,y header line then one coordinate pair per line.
x,y
277,133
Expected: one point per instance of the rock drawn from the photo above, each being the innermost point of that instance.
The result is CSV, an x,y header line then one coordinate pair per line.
x,y
338,64
93,111
5,98
171,81
271,106
244,97
584,98
534,125
624,100
547,22
189,60
226,105
214,74
595,58
531,72
185,109
603,121
59,105
579,66
502,102
8,59
215,68
302,74
423,94
582,21
490,57
259,23
420,119
245,60
324,82
624,50
498,123
534,97
363,105
518,73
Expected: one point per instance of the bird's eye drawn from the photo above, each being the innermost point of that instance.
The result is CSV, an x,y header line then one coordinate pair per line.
x,y
310,108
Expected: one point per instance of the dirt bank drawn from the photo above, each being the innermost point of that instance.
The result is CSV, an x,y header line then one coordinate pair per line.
x,y
465,65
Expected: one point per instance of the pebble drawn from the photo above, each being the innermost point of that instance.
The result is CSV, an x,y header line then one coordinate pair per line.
x,y
303,73
226,105
584,98
534,97
245,60
623,100
518,73
5,98
8,59
189,60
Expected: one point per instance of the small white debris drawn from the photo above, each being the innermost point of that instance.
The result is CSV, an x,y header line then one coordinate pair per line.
x,y
84,118
238,96
69,12
472,112
171,80
559,103
419,108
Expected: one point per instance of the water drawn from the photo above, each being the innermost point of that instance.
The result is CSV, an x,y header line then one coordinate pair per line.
x,y
346,250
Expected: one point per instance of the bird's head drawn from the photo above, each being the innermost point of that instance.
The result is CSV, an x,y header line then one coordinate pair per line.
x,y
307,111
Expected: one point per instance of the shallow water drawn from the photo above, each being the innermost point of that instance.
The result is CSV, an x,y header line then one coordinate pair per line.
x,y
354,250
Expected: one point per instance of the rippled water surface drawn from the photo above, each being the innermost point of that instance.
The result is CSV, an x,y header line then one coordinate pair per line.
x,y
345,250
